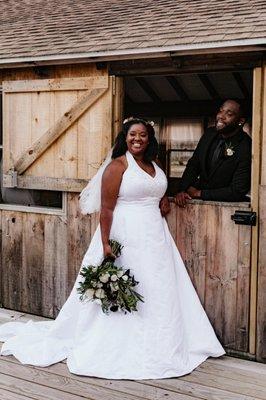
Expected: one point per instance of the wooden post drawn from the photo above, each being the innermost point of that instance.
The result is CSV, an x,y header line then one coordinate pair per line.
x,y
255,180
118,104
261,281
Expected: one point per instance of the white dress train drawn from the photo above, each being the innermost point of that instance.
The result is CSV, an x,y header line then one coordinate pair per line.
x,y
169,336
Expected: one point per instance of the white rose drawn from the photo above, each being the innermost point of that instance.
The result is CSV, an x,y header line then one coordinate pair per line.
x,y
125,277
100,293
114,278
229,152
104,278
114,287
98,301
89,293
120,274
99,285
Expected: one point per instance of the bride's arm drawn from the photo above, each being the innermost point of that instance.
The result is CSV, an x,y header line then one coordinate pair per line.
x,y
111,182
164,202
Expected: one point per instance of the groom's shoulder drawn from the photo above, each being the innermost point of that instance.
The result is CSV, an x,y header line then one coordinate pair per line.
x,y
245,144
209,133
247,138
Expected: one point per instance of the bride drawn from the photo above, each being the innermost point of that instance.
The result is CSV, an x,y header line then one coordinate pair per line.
x,y
170,335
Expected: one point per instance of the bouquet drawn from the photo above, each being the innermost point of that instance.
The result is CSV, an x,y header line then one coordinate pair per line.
x,y
110,286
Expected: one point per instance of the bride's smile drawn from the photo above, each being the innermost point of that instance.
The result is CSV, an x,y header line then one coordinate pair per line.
x,y
137,139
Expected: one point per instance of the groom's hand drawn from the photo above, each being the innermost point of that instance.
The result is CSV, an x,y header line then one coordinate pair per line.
x,y
194,193
164,206
182,198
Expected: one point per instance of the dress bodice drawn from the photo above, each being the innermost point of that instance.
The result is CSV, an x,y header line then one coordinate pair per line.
x,y
138,186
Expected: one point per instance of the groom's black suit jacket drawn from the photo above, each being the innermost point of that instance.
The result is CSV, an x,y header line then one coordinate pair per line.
x,y
229,178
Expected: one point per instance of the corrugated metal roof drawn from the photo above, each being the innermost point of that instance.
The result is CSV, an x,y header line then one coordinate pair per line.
x,y
42,28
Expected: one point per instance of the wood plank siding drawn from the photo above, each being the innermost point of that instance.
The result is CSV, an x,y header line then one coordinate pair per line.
x,y
220,274
41,255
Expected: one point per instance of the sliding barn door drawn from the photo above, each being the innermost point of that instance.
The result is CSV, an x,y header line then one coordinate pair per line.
x,y
56,131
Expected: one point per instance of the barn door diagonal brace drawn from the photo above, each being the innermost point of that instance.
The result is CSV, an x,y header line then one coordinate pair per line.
x,y
51,135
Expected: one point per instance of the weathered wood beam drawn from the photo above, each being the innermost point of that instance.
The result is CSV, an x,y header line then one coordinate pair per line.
x,y
187,64
48,85
258,194
177,88
148,89
241,84
39,146
39,182
205,80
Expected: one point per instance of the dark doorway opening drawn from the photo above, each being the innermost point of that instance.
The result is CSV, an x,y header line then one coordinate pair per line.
x,y
182,107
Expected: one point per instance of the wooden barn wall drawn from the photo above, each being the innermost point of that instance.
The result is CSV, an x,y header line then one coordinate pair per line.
x,y
41,255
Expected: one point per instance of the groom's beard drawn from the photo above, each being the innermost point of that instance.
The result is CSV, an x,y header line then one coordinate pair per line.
x,y
228,129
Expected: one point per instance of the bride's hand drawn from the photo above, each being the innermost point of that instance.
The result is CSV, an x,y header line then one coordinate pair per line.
x,y
165,206
107,252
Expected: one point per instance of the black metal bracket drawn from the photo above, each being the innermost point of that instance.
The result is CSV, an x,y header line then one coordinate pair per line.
x,y
244,217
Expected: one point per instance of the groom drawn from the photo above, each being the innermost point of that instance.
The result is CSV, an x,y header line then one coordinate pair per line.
x,y
220,167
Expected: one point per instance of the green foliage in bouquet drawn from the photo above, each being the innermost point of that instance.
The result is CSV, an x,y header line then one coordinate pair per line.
x,y
110,286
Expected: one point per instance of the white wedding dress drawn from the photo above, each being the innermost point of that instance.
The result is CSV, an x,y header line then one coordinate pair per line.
x,y
170,334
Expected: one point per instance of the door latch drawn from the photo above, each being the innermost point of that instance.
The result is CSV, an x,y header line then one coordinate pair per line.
x,y
244,217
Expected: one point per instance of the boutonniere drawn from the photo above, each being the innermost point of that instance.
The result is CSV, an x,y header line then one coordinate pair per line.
x,y
229,150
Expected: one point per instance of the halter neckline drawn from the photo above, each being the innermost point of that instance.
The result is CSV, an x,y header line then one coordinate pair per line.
x,y
139,167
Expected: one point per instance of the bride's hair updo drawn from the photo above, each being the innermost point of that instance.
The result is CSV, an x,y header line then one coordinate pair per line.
x,y
120,146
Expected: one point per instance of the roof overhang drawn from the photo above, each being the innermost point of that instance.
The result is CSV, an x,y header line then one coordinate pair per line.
x,y
137,53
